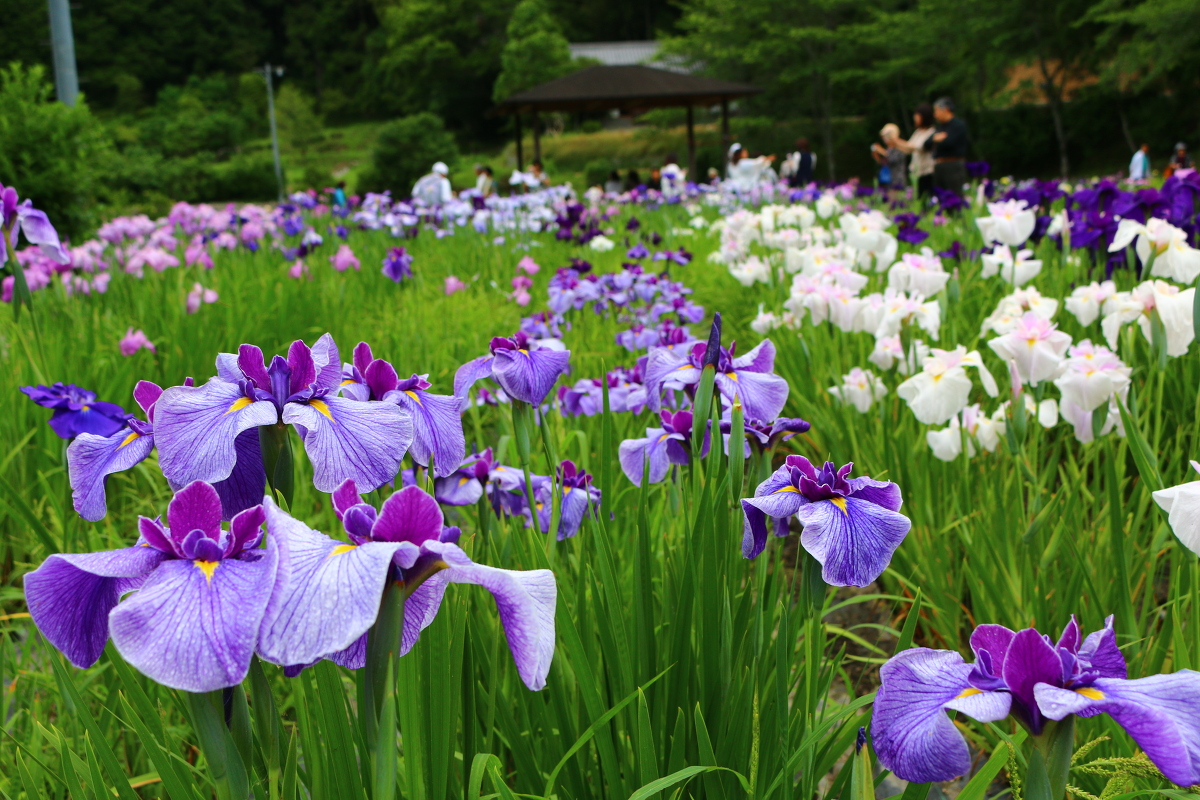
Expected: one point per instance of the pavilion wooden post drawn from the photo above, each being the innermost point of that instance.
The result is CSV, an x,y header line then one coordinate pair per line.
x,y
537,139
520,159
726,140
691,144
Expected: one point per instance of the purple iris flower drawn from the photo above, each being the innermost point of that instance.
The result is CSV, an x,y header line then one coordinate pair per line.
x,y
851,525
201,593
681,256
977,169
639,337
956,251
584,399
633,224
909,232
748,378
24,218
77,410
948,201
662,447
579,497
1034,679
436,421
638,251
464,486
201,431
328,593
525,368
766,435
397,265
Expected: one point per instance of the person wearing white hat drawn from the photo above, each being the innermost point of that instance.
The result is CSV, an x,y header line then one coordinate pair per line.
x,y
434,189
745,172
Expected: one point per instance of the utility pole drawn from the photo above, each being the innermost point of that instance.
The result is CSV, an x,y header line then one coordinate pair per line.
x,y
267,73
62,40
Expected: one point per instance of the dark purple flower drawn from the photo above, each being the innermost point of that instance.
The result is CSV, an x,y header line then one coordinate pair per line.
x,y
579,498
397,265
633,224
437,423
77,410
329,591
977,169
766,435
1035,679
661,448
201,592
197,429
956,251
638,251
681,256
851,525
525,368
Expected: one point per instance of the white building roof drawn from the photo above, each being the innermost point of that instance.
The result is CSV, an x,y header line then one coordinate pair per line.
x,y
619,54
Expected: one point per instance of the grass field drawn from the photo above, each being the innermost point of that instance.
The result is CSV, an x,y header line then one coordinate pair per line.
x,y
674,654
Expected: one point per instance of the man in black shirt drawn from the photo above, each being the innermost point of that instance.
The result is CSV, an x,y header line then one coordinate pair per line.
x,y
949,148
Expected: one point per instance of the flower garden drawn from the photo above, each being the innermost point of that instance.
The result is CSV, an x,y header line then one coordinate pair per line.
x,y
786,493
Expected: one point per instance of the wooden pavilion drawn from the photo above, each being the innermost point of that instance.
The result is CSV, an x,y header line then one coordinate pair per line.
x,y
631,88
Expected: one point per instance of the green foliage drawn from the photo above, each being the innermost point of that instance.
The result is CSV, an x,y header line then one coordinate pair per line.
x,y
536,50
47,150
298,122
676,659
405,150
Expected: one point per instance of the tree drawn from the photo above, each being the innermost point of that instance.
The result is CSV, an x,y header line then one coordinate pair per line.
x,y
536,50
405,150
47,150
443,56
798,50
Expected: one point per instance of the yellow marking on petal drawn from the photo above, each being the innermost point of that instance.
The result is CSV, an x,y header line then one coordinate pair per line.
x,y
1090,693
663,438
522,350
320,405
347,382
968,692
732,376
86,408
128,439
788,488
341,548
567,490
413,395
840,502
463,481
239,404
207,567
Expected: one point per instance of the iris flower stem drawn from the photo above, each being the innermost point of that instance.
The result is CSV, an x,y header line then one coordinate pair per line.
x,y
383,648
225,765
1050,761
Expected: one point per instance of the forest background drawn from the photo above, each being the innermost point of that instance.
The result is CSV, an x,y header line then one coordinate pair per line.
x,y
174,101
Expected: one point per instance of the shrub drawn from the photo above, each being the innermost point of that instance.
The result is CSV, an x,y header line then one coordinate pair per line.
x,y
47,149
405,150
596,172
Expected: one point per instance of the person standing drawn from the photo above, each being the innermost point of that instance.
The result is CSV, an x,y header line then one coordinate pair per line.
x,y
1181,159
1139,165
434,189
339,195
920,169
891,158
948,146
485,184
672,177
746,172
806,164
